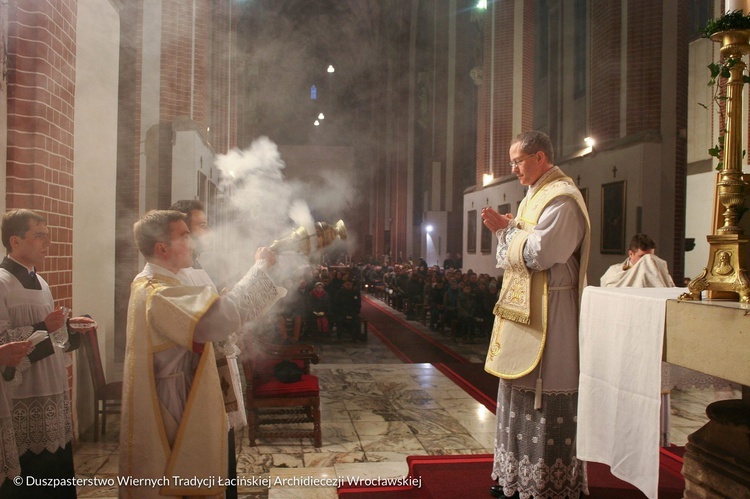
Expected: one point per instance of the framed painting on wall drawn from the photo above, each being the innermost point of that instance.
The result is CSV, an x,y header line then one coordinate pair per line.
x,y
585,195
471,231
613,217
486,239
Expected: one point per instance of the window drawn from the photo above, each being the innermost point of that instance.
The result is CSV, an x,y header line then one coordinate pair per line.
x,y
700,12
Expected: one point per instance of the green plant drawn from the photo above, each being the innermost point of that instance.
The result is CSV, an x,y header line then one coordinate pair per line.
x,y
718,71
729,21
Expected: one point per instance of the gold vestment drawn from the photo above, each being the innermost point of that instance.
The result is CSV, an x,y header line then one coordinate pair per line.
x,y
520,328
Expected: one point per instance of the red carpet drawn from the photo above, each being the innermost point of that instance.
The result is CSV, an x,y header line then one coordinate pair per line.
x,y
474,380
469,476
407,342
413,346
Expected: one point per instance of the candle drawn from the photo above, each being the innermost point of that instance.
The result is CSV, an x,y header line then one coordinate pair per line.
x,y
732,5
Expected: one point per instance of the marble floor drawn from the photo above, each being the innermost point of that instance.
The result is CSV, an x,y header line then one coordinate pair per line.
x,y
376,411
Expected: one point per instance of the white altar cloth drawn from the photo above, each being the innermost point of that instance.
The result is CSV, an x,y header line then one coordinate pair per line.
x,y
621,337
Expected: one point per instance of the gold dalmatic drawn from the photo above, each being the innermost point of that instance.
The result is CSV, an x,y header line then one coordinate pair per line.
x,y
520,329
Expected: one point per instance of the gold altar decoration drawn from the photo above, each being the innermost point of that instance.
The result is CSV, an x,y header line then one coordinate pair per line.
x,y
725,274
299,240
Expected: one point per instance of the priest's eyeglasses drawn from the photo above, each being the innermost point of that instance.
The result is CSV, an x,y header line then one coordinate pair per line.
x,y
516,162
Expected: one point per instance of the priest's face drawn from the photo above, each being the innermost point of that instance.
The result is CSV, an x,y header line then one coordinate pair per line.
x,y
198,224
199,230
527,167
637,255
179,252
31,249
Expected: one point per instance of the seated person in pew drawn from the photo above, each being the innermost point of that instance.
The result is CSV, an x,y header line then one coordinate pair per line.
x,y
346,305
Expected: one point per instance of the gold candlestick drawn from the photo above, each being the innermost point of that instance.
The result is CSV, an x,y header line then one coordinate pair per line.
x,y
725,271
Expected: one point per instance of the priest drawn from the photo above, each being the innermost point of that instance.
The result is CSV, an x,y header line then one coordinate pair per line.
x,y
227,352
534,343
173,434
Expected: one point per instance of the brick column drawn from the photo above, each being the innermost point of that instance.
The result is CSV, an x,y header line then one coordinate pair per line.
x,y
41,90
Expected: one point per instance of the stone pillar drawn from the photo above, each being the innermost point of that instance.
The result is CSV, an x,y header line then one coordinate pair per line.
x,y
717,458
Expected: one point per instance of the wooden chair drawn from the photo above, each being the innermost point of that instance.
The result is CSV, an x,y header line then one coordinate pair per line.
x,y
107,396
272,402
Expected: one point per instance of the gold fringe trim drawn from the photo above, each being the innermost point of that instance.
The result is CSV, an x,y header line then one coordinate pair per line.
x,y
511,315
498,310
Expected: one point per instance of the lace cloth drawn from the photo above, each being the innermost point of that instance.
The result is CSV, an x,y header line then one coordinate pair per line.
x,y
673,376
38,393
504,237
255,292
9,466
535,451
42,423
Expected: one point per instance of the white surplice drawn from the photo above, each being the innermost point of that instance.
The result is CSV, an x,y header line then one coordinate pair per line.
x,y
39,390
227,348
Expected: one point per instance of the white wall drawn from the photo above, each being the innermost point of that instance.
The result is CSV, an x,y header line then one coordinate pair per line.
x,y
703,124
698,216
190,155
94,184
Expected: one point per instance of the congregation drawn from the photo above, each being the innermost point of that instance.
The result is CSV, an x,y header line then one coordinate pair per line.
x,y
325,300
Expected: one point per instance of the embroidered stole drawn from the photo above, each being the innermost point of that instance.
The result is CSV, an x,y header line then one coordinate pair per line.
x,y
520,328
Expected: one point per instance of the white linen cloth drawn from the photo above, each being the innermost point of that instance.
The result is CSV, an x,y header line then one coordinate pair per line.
x,y
621,339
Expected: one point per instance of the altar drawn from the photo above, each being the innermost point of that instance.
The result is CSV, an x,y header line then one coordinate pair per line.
x,y
625,333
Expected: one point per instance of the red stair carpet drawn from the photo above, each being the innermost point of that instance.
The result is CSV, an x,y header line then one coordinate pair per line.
x,y
408,343
448,477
